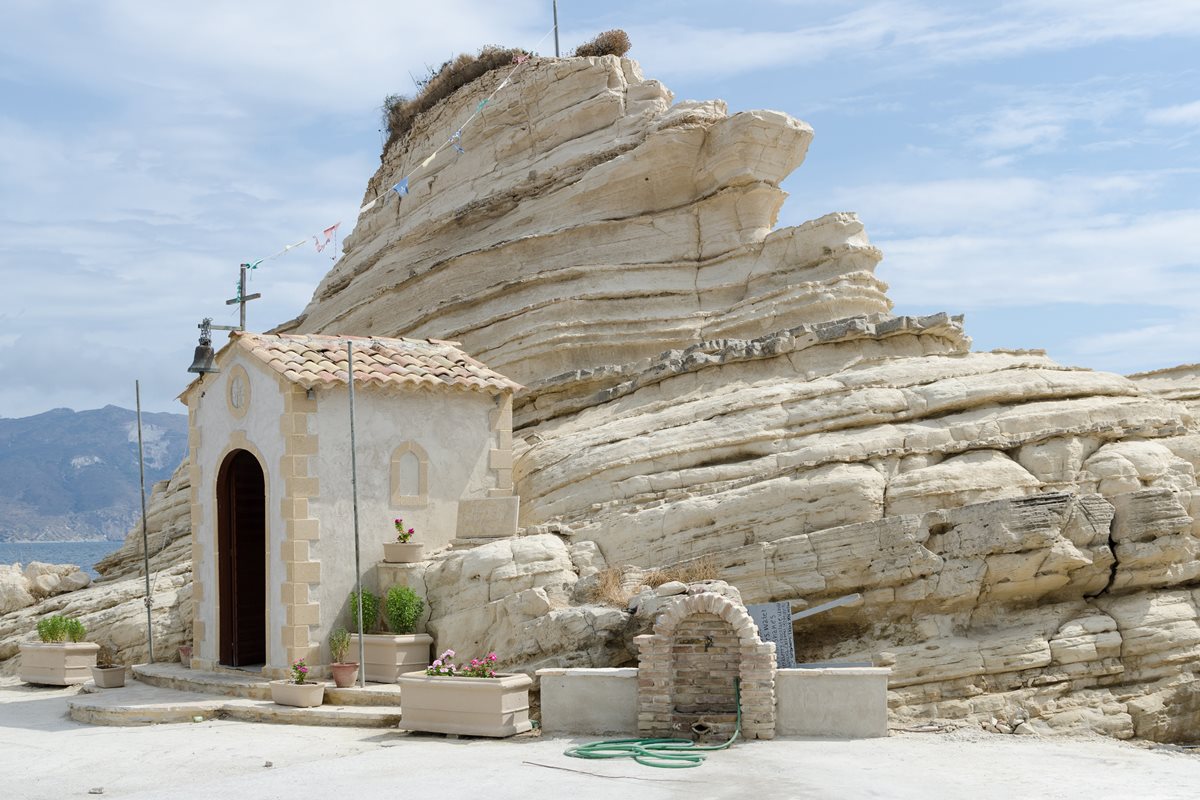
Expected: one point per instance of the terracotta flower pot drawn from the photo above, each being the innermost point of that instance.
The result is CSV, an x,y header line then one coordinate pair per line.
x,y
473,706
185,655
301,695
402,552
344,674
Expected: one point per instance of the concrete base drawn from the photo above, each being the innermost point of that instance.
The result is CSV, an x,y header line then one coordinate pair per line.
x,y
141,704
251,686
842,702
589,702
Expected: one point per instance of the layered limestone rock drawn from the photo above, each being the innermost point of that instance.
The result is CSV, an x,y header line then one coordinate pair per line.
x,y
589,223
703,386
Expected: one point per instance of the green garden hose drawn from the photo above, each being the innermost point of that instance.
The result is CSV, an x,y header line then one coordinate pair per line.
x,y
663,753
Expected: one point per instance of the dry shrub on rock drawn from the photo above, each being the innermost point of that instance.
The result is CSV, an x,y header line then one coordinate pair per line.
x,y
608,589
400,112
610,43
700,569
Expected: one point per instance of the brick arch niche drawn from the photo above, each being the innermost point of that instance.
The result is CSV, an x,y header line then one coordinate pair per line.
x,y
687,667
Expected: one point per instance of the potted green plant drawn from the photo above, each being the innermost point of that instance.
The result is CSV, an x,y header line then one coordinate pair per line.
x,y
299,691
471,698
403,550
387,655
107,674
60,657
345,673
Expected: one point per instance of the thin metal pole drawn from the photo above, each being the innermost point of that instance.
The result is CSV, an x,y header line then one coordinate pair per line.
x,y
242,297
556,55
137,391
362,633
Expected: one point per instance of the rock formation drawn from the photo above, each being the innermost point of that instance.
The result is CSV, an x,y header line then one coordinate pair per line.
x,y
1024,533
702,385
113,608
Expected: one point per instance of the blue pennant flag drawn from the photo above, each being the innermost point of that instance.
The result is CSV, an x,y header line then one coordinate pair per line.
x,y
401,188
458,147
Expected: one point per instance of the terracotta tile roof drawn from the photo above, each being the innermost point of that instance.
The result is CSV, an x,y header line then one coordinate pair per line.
x,y
312,360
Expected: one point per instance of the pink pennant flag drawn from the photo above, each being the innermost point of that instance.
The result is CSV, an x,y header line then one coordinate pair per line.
x,y
328,234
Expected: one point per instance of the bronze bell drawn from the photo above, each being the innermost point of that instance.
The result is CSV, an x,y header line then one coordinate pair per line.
x,y
202,362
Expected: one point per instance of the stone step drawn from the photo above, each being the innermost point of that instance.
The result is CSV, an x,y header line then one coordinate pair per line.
x,y
252,686
143,704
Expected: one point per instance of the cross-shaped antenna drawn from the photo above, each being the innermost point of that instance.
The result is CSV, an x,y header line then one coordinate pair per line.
x,y
242,298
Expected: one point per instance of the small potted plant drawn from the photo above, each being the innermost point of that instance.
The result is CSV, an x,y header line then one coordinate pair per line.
x,y
471,698
107,674
387,655
402,551
61,657
185,655
345,673
299,691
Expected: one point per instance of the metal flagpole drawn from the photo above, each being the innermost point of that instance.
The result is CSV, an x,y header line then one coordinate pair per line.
x,y
137,391
556,55
362,633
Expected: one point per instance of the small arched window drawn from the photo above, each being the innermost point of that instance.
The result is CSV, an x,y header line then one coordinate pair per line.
x,y
410,475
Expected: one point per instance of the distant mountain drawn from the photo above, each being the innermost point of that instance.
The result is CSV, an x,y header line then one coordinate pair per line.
x,y
67,475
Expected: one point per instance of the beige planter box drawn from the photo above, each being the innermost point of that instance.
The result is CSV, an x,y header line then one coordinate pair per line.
x,y
301,695
58,663
403,552
108,677
388,655
472,706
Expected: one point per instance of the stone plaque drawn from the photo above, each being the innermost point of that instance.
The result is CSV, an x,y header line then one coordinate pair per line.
x,y
774,621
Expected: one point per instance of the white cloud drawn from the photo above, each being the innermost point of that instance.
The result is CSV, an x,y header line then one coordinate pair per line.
x,y
917,35
1171,341
222,54
1148,259
982,205
1186,114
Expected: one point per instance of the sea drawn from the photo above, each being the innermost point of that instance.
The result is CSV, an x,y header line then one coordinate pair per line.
x,y
85,554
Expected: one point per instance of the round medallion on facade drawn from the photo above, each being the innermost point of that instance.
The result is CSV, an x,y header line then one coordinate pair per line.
x,y
238,391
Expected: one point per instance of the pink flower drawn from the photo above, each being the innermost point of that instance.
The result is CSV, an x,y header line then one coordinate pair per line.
x,y
412,530
491,656
437,663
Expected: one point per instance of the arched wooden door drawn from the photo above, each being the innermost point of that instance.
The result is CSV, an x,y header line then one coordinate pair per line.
x,y
241,560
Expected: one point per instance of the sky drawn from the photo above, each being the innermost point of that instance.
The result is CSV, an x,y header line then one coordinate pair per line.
x,y
1034,165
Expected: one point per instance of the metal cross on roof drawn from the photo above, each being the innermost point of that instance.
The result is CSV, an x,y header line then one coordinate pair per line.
x,y
243,298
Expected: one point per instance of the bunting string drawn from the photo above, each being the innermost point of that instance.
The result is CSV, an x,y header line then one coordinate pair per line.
x,y
401,187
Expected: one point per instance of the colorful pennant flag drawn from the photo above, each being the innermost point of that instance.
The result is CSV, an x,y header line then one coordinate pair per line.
x,y
429,158
328,233
401,188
